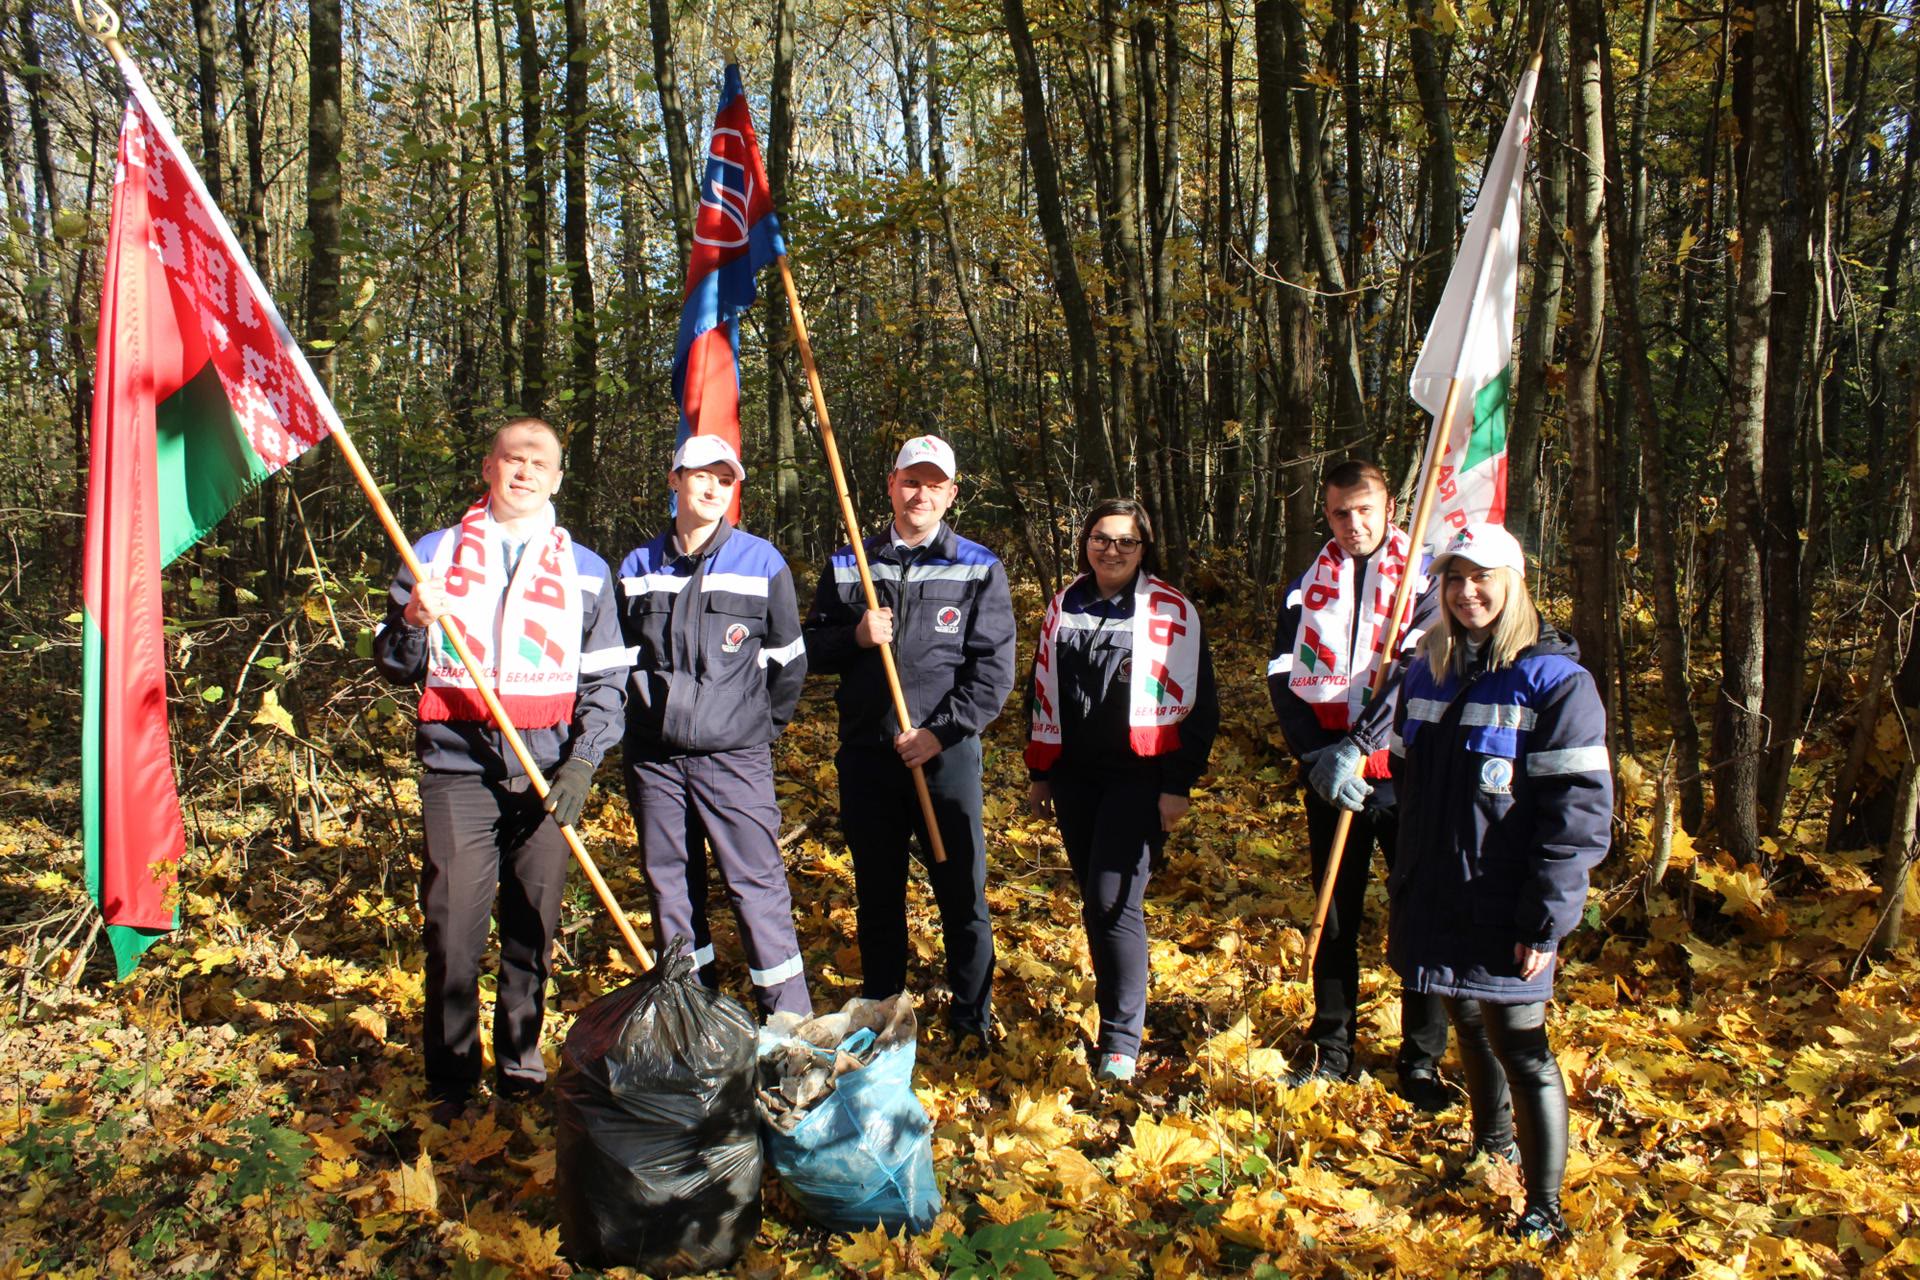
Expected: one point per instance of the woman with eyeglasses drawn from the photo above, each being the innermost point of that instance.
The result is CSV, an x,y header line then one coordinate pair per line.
x,y
1500,761
1123,713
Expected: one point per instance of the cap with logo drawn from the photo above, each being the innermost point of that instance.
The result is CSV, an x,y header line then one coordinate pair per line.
x,y
696,452
927,449
1488,545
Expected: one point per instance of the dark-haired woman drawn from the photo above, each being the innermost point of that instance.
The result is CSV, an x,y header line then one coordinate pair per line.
x,y
1123,717
1501,765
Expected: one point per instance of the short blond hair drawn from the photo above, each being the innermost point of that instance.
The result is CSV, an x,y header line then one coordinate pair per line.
x,y
1517,628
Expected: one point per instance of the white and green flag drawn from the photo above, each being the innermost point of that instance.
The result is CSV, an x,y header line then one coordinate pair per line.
x,y
1471,338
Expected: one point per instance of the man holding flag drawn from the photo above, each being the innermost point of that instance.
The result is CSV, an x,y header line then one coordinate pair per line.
x,y
536,609
1326,647
1461,378
710,611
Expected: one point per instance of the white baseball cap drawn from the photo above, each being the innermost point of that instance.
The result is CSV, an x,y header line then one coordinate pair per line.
x,y
927,449
1488,545
696,452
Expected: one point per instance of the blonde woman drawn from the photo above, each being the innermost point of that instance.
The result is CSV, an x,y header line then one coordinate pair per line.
x,y
1501,765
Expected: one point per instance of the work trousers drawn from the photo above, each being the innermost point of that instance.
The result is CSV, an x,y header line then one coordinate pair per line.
x,y
1517,1091
486,840
1336,967
723,801
880,816
1111,827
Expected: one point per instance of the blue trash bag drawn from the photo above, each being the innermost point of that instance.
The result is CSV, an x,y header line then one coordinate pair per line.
x,y
862,1155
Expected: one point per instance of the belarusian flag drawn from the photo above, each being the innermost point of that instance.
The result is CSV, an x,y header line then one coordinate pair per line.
x,y
201,395
1471,338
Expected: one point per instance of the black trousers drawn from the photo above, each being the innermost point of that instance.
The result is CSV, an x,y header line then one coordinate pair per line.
x,y
1111,827
1516,1088
1336,967
486,839
723,801
880,816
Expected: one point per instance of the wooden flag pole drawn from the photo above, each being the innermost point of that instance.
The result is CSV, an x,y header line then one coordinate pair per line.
x,y
106,29
859,548
1422,511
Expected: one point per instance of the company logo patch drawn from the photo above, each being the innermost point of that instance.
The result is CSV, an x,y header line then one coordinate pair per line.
x,y
947,620
1496,776
735,637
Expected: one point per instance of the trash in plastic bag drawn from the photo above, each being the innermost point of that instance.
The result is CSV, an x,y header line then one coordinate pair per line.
x,y
851,1143
658,1165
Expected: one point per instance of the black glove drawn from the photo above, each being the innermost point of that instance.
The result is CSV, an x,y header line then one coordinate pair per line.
x,y
567,791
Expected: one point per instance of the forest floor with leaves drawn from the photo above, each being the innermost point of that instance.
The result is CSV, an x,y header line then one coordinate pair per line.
x,y
250,1101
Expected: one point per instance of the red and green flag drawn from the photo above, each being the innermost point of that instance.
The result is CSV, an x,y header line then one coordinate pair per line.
x,y
1470,338
201,395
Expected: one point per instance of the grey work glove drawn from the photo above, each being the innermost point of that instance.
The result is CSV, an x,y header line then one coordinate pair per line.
x,y
1351,793
567,791
1335,768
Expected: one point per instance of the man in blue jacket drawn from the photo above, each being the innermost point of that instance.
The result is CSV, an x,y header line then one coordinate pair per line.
x,y
1326,648
718,665
535,609
946,610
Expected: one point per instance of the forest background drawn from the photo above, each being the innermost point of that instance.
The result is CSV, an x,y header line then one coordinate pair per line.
x,y
1183,250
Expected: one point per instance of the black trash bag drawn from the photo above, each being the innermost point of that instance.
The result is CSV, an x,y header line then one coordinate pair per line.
x,y
658,1163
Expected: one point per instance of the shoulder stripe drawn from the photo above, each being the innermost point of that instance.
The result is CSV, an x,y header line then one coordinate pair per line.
x,y
648,583
595,661
740,584
1548,764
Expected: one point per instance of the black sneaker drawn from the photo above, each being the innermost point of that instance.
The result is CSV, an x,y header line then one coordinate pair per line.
x,y
1423,1087
1540,1226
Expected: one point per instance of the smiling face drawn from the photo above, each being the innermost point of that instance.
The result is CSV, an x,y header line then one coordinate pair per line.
x,y
1359,516
705,493
522,472
921,495
1474,596
1114,563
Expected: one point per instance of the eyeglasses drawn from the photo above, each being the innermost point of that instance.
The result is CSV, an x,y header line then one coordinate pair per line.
x,y
1126,546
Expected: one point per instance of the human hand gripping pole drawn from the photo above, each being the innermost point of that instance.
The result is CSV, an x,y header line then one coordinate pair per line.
x,y
1389,645
859,547
105,27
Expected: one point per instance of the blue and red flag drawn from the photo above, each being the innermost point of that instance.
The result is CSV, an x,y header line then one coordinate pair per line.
x,y
734,235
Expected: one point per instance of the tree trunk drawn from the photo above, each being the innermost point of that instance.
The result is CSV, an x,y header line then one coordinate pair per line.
x,y
1548,268
1223,349
1788,406
786,466
1762,63
1160,120
583,332
1083,370
1592,548
1293,355
324,133
206,39
506,272
1898,853
683,184
1437,162
1660,551
1349,423
533,199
